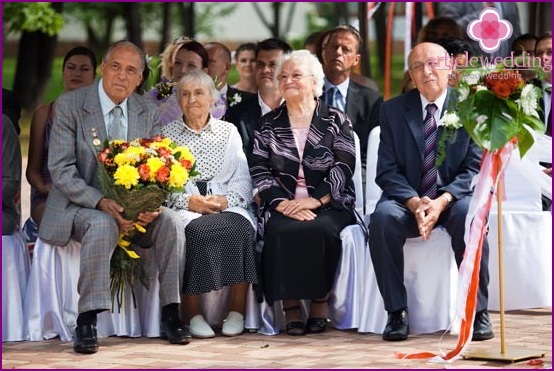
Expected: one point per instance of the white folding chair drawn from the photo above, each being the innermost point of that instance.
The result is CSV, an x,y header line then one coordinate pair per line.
x,y
15,274
51,298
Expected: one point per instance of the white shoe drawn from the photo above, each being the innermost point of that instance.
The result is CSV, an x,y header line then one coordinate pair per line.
x,y
199,328
233,325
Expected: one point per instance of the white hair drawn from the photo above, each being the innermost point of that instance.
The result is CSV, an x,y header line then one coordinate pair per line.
x,y
200,78
304,58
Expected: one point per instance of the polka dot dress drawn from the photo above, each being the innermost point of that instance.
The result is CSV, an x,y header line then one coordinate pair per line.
x,y
220,252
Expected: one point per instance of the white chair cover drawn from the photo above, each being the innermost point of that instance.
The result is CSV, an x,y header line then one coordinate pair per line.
x,y
430,271
51,299
16,265
527,248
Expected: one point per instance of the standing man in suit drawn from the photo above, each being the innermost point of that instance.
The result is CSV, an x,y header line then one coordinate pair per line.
x,y
464,13
245,115
360,103
417,196
219,65
76,207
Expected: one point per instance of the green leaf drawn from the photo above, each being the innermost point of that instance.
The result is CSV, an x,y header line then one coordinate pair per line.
x,y
525,141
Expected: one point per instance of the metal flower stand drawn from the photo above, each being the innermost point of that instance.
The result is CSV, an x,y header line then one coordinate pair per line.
x,y
512,355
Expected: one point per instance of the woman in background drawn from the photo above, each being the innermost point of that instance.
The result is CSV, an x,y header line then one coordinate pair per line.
x,y
245,57
78,70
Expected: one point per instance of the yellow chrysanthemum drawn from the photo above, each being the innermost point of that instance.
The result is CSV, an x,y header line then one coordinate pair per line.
x,y
185,153
117,142
136,150
154,163
126,176
126,158
178,176
164,143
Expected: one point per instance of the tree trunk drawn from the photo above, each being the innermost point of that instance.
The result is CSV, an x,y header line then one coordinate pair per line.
x,y
380,18
34,67
276,28
187,15
133,23
166,26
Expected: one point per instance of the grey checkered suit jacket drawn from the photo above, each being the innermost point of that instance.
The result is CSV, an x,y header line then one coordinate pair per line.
x,y
70,208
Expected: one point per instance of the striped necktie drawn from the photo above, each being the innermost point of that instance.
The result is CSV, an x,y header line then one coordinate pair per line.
x,y
428,183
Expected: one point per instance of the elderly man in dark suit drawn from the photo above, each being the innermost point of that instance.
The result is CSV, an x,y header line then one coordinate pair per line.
x,y
245,115
76,207
417,196
360,103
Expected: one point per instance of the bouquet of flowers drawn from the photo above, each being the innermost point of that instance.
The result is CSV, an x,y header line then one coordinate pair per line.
x,y
139,175
163,89
494,105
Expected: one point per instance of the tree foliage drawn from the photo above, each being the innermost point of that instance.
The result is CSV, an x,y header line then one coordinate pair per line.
x,y
32,17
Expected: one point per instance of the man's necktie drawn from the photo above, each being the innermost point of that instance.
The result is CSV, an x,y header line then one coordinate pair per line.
x,y
334,98
428,184
117,131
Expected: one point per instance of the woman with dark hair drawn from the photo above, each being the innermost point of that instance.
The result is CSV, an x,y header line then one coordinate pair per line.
x,y
181,56
78,70
439,28
245,58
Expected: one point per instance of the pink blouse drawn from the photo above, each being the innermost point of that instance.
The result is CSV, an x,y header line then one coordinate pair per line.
x,y
300,136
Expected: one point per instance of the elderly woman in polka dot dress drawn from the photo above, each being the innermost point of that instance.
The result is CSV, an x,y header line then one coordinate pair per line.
x,y
220,227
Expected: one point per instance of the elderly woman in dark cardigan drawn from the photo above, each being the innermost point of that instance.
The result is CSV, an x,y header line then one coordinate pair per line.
x,y
302,165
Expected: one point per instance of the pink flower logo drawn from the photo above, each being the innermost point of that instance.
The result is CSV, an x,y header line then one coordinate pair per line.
x,y
489,30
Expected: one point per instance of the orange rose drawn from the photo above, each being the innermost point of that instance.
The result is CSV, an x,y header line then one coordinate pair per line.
x,y
162,175
144,172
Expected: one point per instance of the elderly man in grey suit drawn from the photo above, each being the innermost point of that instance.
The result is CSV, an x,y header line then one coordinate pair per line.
x,y
77,209
417,196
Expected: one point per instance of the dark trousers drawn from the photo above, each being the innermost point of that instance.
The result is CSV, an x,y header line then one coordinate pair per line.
x,y
391,224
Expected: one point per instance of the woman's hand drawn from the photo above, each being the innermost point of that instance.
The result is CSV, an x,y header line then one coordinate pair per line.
x,y
221,199
292,207
204,205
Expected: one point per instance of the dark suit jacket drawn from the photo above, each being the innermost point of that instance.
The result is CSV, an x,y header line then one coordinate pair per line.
x,y
362,107
401,152
245,117
72,156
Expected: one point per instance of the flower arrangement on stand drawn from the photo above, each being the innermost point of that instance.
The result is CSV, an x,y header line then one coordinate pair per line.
x,y
494,105
139,175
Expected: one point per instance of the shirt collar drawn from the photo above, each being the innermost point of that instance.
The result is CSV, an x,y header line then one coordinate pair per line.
x,y
107,104
439,103
208,128
343,86
264,107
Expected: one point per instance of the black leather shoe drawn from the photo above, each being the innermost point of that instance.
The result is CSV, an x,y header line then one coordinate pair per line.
x,y
172,330
316,325
85,340
397,327
482,326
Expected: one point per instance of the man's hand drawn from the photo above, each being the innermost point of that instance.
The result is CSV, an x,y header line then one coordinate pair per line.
x,y
114,209
147,217
427,214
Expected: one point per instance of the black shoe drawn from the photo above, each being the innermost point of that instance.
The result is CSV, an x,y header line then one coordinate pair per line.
x,y
482,326
85,339
172,330
296,328
397,327
316,325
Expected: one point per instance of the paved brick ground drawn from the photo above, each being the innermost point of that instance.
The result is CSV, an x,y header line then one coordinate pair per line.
x,y
529,329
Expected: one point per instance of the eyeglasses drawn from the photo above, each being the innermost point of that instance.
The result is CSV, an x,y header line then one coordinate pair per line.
x,y
294,77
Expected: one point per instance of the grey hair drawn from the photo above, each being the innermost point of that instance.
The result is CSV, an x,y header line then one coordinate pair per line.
x,y
304,58
126,44
200,78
